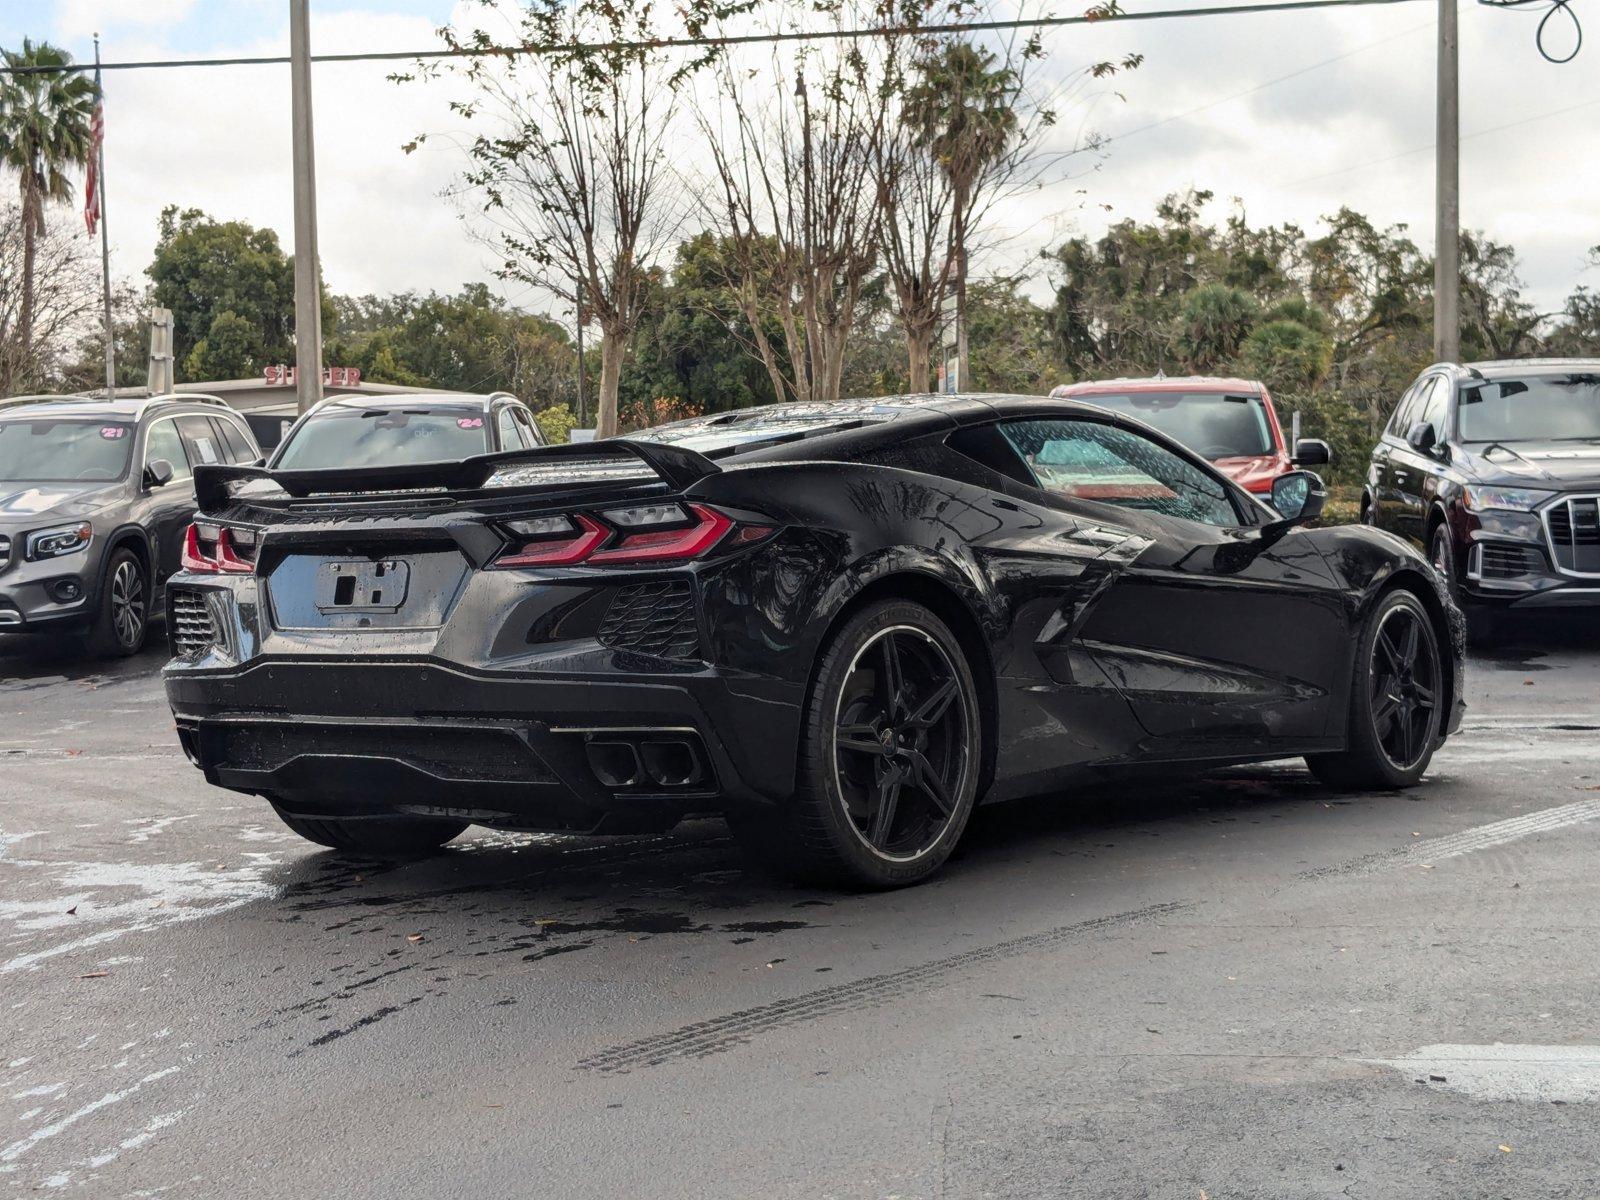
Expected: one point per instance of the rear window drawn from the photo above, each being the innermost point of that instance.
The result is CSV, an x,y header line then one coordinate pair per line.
x,y
347,437
64,451
1212,424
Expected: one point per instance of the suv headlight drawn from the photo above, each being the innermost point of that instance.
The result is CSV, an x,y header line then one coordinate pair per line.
x,y
1481,497
59,540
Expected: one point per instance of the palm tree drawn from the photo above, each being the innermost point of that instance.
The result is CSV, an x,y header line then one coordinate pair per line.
x,y
964,109
44,132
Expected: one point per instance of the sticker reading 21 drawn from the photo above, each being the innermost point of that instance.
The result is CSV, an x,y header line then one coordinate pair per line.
x,y
112,432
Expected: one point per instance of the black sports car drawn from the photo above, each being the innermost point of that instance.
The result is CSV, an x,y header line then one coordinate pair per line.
x,y
841,625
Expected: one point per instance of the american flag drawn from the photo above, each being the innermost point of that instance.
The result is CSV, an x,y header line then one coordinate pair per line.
x,y
91,186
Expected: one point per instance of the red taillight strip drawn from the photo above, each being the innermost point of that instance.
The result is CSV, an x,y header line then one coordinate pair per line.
x,y
669,544
562,553
193,559
226,559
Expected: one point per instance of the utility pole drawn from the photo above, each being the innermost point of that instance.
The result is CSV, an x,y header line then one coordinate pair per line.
x,y
1447,236
105,228
307,276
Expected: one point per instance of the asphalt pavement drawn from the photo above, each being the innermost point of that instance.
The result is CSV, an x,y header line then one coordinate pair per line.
x,y
1238,985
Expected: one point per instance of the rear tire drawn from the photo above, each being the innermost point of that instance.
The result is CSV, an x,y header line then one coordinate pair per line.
x,y
890,753
375,837
1396,701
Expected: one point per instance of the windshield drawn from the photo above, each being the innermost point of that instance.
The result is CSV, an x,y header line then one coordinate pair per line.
x,y
1536,409
398,437
1213,424
64,451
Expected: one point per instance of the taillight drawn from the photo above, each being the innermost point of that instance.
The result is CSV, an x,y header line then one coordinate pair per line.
x,y
209,549
649,533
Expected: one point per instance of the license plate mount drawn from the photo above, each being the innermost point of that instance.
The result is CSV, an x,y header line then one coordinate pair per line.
x,y
363,585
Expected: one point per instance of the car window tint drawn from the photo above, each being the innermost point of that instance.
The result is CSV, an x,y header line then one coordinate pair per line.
x,y
239,449
1400,423
1433,407
200,439
510,434
1085,460
163,442
530,430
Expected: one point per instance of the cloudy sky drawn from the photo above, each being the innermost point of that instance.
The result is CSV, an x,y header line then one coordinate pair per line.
x,y
1293,114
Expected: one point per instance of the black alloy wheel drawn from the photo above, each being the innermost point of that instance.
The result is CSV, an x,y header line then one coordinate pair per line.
x,y
1396,703
889,761
124,615
1404,679
900,750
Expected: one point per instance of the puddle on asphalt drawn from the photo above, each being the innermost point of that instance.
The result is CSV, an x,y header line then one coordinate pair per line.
x,y
1505,1071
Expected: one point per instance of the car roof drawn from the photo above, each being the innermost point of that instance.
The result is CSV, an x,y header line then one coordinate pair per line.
x,y
413,400
126,408
1528,366
1161,383
798,430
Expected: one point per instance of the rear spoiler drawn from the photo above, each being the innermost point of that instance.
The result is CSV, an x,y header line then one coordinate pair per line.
x,y
678,467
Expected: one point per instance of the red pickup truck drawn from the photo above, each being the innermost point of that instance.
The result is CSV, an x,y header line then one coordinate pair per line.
x,y
1230,421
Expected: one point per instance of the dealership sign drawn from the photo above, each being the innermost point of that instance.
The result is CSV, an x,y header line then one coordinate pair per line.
x,y
282,376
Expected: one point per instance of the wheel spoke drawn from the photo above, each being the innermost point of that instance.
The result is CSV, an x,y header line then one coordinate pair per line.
x,y
1423,694
859,739
1383,712
927,779
893,676
935,706
1390,651
883,812
1411,640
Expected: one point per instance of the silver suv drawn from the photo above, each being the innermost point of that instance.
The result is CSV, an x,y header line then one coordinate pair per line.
x,y
95,499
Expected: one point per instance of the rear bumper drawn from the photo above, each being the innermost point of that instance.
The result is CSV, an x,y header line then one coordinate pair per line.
x,y
368,736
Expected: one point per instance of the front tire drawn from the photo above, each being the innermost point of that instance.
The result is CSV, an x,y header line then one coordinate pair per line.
x,y
1442,553
1396,701
123,618
375,837
889,760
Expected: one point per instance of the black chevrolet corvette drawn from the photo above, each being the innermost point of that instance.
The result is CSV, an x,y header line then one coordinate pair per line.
x,y
840,625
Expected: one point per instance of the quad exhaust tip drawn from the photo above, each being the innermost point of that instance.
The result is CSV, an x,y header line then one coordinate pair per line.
x,y
647,760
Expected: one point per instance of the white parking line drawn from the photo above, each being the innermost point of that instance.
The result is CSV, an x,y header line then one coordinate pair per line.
x,y
1497,834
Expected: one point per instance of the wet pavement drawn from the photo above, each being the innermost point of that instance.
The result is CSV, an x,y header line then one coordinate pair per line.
x,y
1240,985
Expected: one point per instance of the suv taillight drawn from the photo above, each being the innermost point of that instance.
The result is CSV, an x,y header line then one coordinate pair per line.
x,y
650,533
209,549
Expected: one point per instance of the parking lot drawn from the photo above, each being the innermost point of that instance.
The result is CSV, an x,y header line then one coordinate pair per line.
x,y
1236,985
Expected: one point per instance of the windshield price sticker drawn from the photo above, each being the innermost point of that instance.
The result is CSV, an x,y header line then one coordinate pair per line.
x,y
112,432
470,422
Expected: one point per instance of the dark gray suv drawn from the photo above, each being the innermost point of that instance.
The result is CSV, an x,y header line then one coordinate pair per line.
x,y
95,498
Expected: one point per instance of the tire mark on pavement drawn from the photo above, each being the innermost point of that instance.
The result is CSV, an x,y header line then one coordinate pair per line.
x,y
705,1038
1453,845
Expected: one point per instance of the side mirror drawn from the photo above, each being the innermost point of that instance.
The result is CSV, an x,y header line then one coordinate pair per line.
x,y
158,473
1312,452
1298,497
1423,437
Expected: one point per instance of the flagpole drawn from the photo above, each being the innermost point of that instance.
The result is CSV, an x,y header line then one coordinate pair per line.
x,y
105,236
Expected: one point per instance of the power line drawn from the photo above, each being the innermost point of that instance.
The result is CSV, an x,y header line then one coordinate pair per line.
x,y
1378,162
1261,87
1220,10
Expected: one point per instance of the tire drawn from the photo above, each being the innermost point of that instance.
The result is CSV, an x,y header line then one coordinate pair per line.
x,y
375,837
861,757
1442,553
123,617
1395,713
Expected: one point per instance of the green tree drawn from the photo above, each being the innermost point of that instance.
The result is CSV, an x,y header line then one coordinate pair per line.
x,y
205,269
231,349
964,107
1286,355
1215,319
44,133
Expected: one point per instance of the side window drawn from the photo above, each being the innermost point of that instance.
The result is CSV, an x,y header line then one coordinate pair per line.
x,y
530,430
239,449
1085,460
200,439
1434,408
162,441
510,432
1400,421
